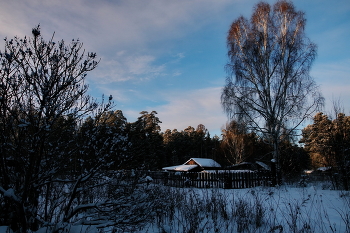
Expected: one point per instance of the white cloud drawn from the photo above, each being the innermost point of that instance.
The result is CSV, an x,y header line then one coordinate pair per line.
x,y
191,108
127,68
187,108
142,65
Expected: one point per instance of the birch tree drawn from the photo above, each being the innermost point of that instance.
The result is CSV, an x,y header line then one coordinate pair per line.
x,y
238,145
269,87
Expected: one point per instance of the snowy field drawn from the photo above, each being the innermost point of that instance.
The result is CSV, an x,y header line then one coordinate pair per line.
x,y
283,209
261,209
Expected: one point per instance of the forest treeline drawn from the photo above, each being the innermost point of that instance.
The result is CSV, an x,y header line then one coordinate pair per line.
x,y
142,145
110,139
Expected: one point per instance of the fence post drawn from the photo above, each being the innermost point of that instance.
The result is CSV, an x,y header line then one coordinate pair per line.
x,y
239,180
234,180
274,172
228,181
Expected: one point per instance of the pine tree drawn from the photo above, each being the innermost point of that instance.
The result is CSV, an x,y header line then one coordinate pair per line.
x,y
330,139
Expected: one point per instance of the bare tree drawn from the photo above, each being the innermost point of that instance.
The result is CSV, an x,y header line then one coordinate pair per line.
x,y
238,145
42,96
269,87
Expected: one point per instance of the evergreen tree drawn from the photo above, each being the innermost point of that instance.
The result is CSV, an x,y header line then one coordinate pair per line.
x,y
294,160
146,141
331,140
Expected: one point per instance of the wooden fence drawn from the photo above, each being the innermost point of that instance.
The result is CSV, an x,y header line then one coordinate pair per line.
x,y
228,180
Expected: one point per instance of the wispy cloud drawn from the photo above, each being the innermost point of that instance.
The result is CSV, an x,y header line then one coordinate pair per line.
x,y
125,67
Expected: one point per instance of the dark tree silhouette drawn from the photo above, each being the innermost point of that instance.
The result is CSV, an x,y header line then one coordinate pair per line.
x,y
42,96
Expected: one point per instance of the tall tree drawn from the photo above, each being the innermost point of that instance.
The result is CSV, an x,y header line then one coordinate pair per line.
x,y
269,87
146,141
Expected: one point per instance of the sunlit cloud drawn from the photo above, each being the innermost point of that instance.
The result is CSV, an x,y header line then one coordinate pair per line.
x,y
191,108
185,108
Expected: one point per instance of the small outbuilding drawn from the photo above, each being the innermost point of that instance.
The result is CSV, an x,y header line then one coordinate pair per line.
x,y
195,165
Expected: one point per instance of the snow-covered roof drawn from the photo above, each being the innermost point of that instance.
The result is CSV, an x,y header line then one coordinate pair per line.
x,y
204,162
183,168
227,171
240,164
324,169
263,165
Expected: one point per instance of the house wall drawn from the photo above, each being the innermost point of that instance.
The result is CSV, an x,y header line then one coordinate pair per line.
x,y
191,162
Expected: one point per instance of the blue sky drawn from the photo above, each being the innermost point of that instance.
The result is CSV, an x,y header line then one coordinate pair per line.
x,y
169,56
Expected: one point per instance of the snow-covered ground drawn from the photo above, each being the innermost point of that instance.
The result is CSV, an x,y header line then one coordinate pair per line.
x,y
260,209
283,209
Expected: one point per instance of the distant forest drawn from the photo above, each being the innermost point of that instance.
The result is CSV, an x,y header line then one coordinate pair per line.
x,y
142,144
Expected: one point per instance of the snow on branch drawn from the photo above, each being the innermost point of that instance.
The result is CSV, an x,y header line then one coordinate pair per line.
x,y
10,193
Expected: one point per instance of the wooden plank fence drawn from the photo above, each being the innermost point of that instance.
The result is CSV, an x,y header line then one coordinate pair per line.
x,y
228,180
